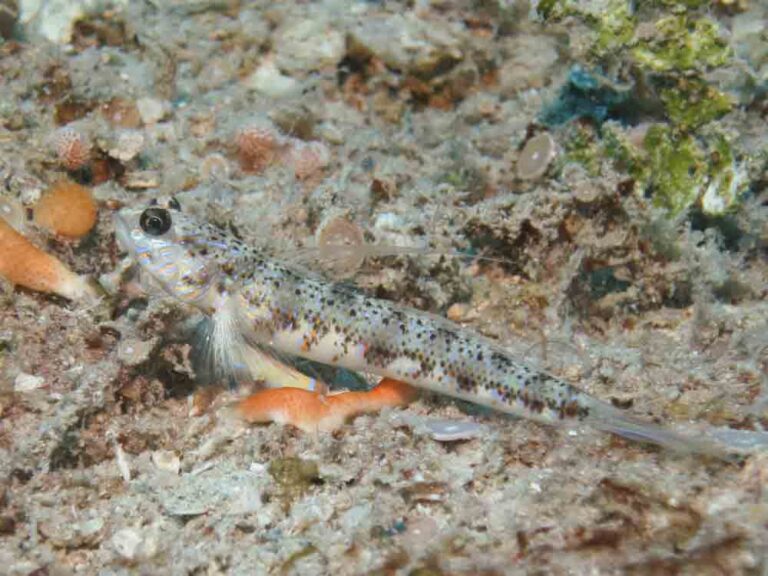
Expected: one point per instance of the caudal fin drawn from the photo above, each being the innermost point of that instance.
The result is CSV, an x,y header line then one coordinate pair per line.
x,y
609,419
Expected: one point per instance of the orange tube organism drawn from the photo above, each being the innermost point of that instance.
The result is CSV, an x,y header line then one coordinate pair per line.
x,y
22,263
313,411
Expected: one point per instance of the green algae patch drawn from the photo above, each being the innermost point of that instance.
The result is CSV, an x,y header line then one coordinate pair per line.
x,y
683,5
548,9
693,103
581,146
615,28
625,156
676,169
680,171
611,20
681,44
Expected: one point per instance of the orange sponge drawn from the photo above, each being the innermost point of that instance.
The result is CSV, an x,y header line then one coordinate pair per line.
x,y
67,209
26,265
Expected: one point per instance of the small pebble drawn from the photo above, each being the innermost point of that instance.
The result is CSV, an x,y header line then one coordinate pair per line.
x,y
126,543
303,45
141,180
63,533
389,222
536,156
426,492
30,190
122,113
151,110
330,133
12,212
139,544
122,462
457,311
128,145
7,525
214,167
308,159
133,352
269,81
167,461
27,382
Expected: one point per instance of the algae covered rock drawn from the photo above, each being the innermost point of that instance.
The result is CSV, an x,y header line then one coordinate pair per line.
x,y
726,180
308,44
679,170
693,103
676,169
679,43
678,51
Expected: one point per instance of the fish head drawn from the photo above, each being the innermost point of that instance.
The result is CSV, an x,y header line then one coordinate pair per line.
x,y
178,252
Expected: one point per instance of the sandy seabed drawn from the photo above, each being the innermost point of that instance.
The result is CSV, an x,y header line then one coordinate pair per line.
x,y
115,459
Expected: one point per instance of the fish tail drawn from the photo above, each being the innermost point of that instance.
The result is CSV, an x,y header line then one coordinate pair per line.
x,y
609,419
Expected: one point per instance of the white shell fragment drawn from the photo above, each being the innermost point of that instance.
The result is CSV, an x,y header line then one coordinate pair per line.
x,y
133,352
151,110
127,146
27,382
12,212
453,430
309,44
137,544
126,543
269,81
166,460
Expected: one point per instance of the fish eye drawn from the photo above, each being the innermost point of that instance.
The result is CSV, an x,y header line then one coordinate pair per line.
x,y
155,221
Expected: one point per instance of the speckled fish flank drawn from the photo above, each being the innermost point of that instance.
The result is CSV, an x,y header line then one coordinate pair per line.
x,y
332,325
266,302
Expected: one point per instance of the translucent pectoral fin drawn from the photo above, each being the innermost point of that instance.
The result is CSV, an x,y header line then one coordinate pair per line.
x,y
224,355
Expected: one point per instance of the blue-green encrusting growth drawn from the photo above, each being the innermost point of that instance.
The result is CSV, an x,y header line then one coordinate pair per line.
x,y
588,94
